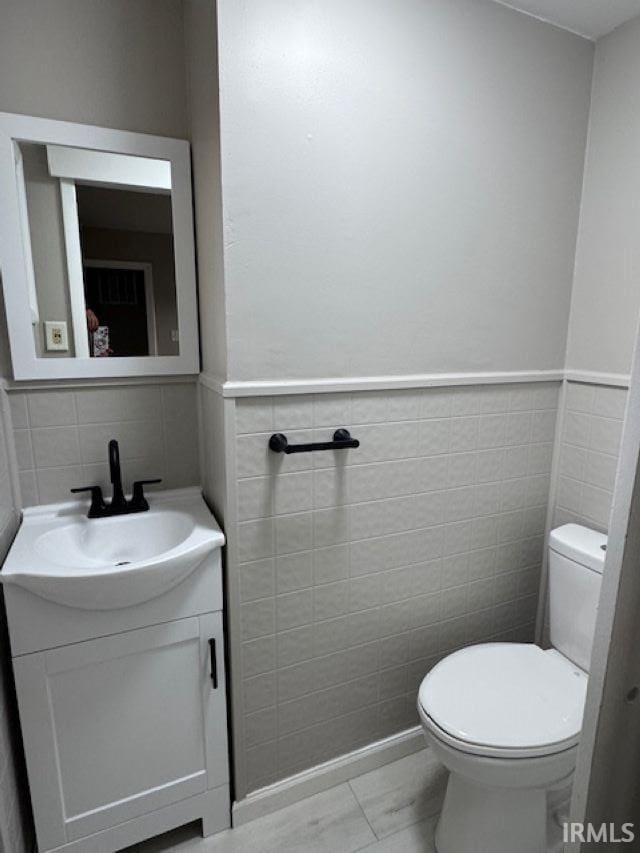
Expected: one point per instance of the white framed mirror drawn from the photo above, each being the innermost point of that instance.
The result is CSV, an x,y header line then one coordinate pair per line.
x,y
97,252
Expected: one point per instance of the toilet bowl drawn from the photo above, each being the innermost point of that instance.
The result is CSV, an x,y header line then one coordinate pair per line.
x,y
505,718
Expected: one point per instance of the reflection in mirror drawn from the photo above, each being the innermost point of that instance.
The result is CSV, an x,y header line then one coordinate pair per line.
x,y
128,270
48,272
101,239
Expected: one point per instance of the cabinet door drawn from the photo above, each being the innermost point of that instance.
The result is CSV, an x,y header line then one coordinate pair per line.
x,y
119,726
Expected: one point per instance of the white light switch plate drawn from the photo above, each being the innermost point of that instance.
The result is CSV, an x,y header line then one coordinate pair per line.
x,y
55,335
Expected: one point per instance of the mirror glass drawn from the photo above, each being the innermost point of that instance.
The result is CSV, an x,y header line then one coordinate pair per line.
x,y
98,233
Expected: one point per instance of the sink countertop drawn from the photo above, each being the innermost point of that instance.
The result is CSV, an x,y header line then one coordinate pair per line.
x,y
117,561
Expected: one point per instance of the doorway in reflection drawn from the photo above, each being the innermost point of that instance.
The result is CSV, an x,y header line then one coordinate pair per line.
x,y
128,271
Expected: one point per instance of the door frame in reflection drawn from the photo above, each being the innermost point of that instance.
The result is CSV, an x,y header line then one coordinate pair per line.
x,y
149,296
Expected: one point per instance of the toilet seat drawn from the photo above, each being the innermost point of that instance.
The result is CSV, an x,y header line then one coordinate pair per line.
x,y
482,751
504,700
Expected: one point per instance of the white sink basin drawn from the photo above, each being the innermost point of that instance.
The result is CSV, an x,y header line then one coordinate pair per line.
x,y
107,563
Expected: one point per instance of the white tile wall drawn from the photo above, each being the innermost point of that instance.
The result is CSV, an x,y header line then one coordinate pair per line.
x,y
589,448
13,835
359,569
61,437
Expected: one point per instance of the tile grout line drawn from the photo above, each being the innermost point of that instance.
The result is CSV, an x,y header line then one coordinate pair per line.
x,y
364,814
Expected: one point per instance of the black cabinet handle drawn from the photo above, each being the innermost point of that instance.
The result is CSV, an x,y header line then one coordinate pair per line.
x,y
214,663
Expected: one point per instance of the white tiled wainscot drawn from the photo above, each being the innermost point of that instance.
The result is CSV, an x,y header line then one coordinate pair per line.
x,y
359,569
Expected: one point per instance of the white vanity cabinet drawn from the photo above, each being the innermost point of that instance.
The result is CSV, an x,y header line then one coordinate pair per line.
x,y
121,726
123,714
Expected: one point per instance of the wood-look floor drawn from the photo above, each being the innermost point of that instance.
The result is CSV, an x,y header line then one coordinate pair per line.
x,y
393,809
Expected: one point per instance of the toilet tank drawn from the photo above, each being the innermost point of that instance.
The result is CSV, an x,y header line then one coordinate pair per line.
x,y
576,561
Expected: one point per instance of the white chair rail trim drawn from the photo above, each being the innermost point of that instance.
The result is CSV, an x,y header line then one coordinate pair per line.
x,y
268,388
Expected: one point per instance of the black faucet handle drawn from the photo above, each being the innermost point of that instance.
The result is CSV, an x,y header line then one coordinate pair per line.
x,y
97,501
138,499
96,491
140,483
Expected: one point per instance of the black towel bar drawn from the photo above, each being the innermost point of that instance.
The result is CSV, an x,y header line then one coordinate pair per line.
x,y
341,441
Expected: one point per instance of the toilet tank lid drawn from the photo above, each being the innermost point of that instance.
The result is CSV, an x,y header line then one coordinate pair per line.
x,y
584,546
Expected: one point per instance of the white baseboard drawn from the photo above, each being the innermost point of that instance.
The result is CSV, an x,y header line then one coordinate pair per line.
x,y
325,776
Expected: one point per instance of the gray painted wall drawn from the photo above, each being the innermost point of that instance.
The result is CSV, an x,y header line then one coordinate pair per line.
x,y
606,291
116,64
401,186
201,57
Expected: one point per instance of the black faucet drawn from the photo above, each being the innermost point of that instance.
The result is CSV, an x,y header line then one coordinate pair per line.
x,y
118,500
118,505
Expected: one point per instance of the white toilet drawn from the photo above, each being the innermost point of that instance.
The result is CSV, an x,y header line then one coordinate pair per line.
x,y
505,718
